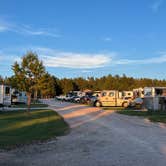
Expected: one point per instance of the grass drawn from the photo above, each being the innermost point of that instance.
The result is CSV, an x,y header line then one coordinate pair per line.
x,y
113,108
36,105
154,116
20,127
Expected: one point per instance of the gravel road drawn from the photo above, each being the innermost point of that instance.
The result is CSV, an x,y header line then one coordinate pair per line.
x,y
97,138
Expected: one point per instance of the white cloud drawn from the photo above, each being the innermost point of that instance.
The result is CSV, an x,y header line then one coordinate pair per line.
x,y
156,5
153,60
55,58
7,58
74,60
3,28
26,30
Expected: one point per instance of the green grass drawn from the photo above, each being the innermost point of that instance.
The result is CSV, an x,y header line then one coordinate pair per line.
x,y
113,108
36,105
21,127
155,116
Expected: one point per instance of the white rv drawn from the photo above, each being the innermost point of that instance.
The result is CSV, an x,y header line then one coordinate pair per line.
x,y
18,96
155,98
5,95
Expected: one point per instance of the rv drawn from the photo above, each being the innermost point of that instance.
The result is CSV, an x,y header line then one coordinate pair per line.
x,y
155,98
111,98
18,96
5,95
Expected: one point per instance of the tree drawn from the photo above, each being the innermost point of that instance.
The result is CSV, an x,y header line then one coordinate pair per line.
x,y
1,80
57,85
28,73
47,86
12,81
67,85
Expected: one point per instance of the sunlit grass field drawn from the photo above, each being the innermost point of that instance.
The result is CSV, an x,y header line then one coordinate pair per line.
x,y
22,127
155,116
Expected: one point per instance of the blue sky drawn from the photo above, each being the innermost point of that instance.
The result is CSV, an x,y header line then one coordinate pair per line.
x,y
86,37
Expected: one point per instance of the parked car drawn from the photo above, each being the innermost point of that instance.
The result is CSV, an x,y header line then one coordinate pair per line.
x,y
85,99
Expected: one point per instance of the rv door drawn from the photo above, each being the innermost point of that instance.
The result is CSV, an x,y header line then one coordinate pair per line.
x,y
7,95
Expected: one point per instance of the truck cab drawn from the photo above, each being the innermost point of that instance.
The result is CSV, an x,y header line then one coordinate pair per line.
x,y
111,98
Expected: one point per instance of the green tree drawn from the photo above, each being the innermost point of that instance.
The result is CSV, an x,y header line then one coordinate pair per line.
x,y
67,85
28,74
1,80
57,85
47,86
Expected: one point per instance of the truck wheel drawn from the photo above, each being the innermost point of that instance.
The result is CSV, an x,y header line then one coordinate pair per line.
x,y
125,105
98,104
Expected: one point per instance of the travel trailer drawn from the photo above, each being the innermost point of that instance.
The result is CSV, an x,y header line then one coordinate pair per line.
x,y
111,98
5,95
18,96
155,98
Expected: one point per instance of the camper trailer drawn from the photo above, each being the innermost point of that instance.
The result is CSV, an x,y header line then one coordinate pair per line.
x,y
155,98
5,95
18,96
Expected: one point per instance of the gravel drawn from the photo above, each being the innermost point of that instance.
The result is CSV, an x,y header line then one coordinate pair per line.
x,y
97,137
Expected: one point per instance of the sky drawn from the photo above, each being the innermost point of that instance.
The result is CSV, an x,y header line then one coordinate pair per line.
x,y
84,38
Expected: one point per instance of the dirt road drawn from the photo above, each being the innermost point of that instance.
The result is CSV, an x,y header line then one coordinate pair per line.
x,y
97,138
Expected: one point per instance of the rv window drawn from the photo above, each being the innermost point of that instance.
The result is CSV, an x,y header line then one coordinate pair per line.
x,y
111,94
148,92
7,91
158,92
104,94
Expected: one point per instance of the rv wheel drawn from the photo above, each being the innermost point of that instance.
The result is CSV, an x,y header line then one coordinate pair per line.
x,y
98,104
125,105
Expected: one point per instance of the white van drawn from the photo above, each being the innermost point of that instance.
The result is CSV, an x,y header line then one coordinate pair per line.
x,y
111,98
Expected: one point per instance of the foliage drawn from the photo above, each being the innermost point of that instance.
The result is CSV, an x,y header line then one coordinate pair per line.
x,y
28,74
47,86
108,82
67,85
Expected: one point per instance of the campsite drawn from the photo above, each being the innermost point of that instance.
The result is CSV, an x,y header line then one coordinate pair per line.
x,y
82,83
